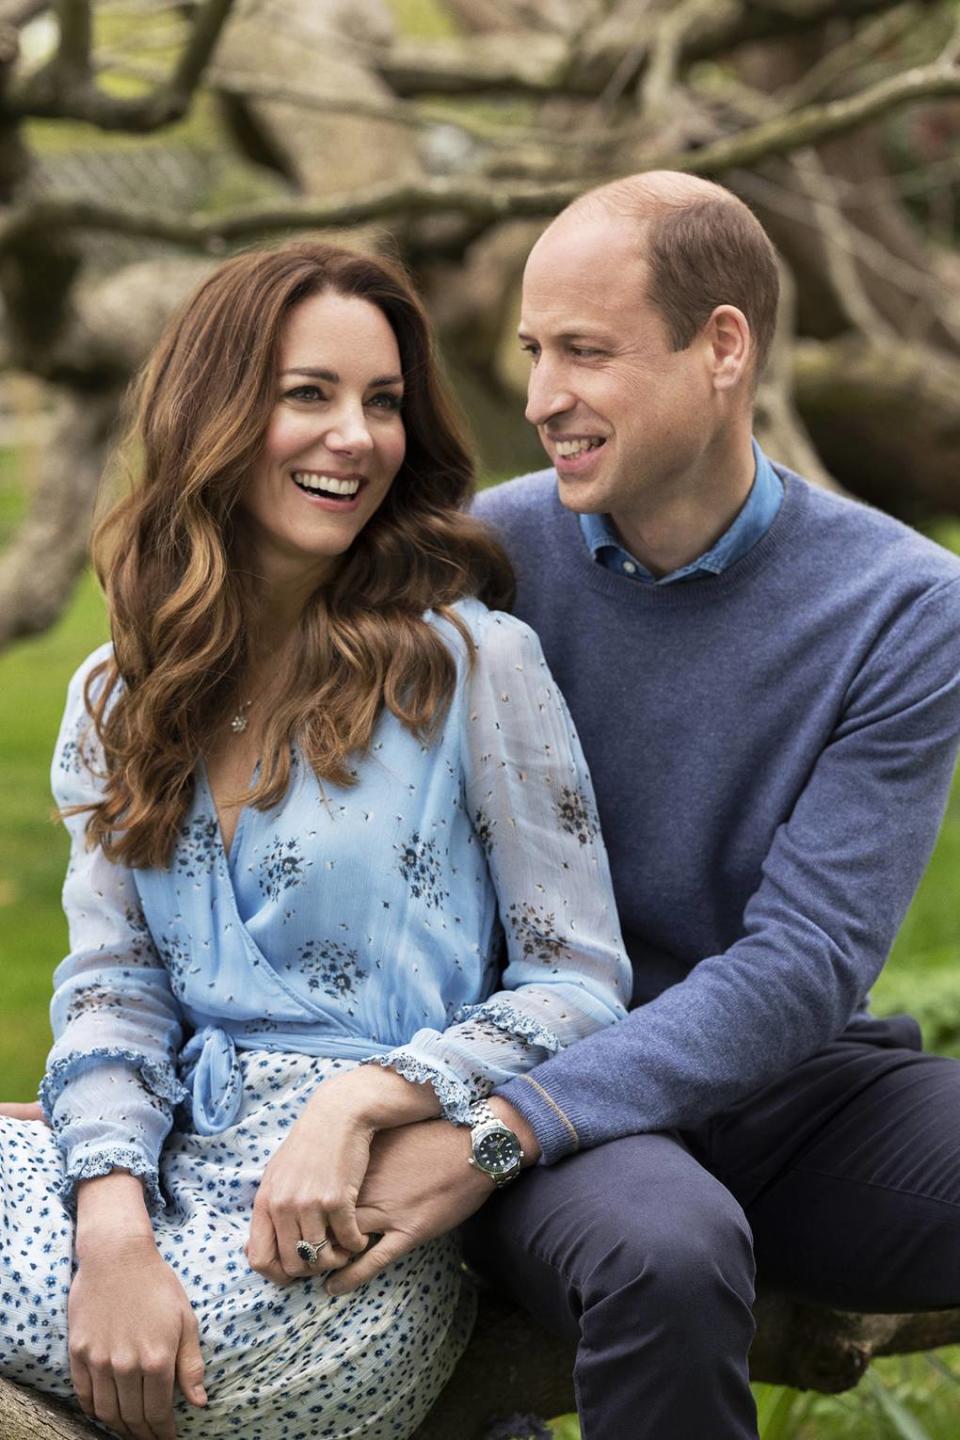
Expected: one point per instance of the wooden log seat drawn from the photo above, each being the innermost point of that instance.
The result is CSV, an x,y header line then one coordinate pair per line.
x,y
511,1368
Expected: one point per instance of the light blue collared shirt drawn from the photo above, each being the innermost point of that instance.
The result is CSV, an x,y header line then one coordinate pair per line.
x,y
750,525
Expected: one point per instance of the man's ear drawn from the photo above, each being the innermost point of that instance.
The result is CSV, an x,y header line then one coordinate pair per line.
x,y
731,346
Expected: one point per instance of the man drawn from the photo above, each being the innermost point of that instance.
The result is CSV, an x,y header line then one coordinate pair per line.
x,y
766,681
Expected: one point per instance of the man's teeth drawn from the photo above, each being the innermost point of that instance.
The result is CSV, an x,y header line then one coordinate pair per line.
x,y
569,448
328,484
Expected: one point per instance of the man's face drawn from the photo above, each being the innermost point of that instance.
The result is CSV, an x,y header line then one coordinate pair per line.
x,y
624,417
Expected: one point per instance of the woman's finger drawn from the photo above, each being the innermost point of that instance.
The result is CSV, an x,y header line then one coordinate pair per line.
x,y
158,1402
287,1228
82,1382
261,1247
129,1387
343,1222
189,1364
106,1404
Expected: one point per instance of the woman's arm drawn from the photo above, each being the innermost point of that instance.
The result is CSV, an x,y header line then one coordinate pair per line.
x,y
532,806
110,1081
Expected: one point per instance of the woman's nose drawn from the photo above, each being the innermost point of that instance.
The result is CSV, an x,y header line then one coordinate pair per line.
x,y
349,430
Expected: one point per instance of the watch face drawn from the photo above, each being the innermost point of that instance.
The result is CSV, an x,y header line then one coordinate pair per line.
x,y
497,1152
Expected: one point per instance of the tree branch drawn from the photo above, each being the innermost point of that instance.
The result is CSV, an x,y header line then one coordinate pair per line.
x,y
476,200
76,37
60,92
819,122
491,64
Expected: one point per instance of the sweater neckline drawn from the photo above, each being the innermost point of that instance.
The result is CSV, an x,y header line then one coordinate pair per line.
x,y
689,594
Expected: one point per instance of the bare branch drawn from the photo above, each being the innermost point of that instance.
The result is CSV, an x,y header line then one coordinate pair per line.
x,y
487,64
478,201
20,12
842,60
869,251
76,36
839,249
666,54
820,122
57,92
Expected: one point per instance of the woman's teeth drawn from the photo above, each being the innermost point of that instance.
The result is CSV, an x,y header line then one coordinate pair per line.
x,y
325,484
568,448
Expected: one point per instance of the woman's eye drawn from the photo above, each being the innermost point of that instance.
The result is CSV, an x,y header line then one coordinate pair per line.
x,y
387,400
304,392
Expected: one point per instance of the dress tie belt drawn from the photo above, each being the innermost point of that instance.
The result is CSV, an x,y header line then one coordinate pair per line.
x,y
213,1079
213,1076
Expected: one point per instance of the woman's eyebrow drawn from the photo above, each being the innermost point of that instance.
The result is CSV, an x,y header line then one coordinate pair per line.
x,y
332,378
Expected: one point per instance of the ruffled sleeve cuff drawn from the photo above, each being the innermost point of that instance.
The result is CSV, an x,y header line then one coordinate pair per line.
x,y
159,1076
88,1165
454,1096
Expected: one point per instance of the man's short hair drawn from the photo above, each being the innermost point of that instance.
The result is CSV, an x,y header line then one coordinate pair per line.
x,y
704,247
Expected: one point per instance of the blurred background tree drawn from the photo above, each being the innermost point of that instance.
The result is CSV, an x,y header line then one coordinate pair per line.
x,y
451,130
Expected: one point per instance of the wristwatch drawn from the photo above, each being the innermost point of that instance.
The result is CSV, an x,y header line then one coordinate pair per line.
x,y
496,1150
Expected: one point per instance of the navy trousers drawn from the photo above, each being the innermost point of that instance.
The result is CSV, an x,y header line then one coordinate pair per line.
x,y
840,1182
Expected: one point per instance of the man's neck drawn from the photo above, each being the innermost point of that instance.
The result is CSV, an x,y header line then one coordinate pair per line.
x,y
675,529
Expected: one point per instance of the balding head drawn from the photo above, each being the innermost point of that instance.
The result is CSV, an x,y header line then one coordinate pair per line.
x,y
702,248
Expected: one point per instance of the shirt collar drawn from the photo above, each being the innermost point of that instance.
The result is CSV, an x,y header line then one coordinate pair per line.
x,y
750,525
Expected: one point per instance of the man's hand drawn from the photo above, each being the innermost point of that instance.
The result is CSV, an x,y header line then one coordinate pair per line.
x,y
419,1185
17,1111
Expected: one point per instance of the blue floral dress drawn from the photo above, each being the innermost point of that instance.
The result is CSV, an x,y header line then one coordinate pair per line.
x,y
202,1004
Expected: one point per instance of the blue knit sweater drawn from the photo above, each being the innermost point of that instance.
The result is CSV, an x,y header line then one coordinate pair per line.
x,y
771,750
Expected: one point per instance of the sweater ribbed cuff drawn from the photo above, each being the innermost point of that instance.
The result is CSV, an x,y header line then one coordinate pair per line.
x,y
556,1133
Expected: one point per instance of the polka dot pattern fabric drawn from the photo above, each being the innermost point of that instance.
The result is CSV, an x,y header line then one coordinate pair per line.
x,y
289,1363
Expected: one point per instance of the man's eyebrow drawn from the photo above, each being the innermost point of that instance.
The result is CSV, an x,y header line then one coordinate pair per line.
x,y
332,378
567,336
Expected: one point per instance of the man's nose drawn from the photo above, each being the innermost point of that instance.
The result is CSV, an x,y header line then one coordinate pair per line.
x,y
548,395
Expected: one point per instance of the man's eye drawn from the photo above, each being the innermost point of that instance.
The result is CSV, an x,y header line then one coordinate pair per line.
x,y
530,349
584,352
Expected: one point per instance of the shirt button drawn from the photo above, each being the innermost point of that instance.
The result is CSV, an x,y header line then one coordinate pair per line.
x,y
629,567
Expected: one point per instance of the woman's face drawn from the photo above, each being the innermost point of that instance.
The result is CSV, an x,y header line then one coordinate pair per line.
x,y
334,442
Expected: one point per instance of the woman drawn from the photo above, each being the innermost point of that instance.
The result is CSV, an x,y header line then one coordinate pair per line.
x,y
305,787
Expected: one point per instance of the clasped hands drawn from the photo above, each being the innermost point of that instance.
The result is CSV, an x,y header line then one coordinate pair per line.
x,y
358,1172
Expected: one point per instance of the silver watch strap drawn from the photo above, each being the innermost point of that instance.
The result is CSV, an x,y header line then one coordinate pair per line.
x,y
482,1114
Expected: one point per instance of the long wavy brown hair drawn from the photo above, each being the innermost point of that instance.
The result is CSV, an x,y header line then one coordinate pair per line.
x,y
183,610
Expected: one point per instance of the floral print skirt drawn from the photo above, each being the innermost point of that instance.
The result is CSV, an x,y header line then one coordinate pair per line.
x,y
281,1364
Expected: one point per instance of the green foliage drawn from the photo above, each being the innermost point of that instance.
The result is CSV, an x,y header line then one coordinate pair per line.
x,y
33,850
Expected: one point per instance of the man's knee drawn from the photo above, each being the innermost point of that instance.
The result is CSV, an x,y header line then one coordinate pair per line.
x,y
638,1215
677,1258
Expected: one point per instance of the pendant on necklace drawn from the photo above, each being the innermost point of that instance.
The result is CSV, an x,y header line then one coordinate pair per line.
x,y
239,722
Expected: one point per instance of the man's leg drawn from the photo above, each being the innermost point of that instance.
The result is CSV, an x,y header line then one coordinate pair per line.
x,y
640,1254
866,1213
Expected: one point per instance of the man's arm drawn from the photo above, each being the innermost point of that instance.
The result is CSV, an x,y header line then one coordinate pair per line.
x,y
835,886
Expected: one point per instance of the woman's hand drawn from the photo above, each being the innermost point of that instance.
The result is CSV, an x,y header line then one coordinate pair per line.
x,y
131,1333
310,1186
